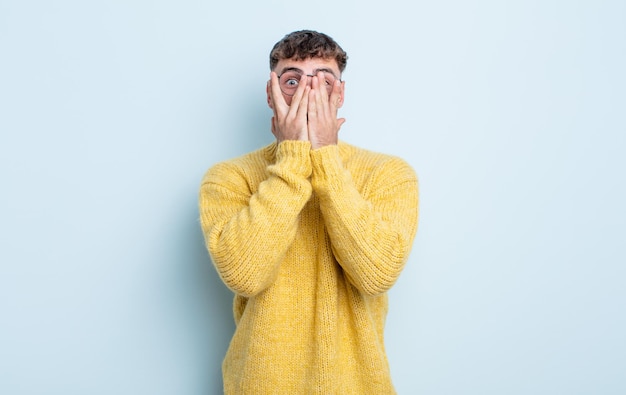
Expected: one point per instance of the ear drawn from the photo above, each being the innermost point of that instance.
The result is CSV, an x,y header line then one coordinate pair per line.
x,y
341,97
267,92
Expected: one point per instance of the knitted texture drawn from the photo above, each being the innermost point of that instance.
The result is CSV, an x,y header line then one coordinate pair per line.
x,y
309,241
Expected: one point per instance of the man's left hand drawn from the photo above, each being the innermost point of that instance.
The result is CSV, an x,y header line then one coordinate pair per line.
x,y
323,124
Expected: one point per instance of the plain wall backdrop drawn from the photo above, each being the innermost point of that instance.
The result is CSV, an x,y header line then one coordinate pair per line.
x,y
513,114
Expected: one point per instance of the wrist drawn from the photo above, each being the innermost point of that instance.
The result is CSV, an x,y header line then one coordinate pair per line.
x,y
321,144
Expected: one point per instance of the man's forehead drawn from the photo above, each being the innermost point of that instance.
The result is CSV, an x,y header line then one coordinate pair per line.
x,y
308,65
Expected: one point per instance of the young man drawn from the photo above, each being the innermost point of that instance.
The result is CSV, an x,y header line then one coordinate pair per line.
x,y
309,233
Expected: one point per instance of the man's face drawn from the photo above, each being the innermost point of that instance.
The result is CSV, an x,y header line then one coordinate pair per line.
x,y
290,71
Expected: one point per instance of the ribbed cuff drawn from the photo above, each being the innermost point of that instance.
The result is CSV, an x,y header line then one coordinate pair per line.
x,y
293,155
327,166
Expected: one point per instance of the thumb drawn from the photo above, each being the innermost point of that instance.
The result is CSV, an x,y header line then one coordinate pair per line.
x,y
340,122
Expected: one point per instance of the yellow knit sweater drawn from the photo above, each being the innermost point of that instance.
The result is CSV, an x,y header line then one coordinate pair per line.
x,y
309,241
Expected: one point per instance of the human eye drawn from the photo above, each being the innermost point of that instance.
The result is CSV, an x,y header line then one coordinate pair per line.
x,y
290,79
292,82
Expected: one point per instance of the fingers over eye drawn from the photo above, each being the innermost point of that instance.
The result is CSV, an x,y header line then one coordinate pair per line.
x,y
297,96
275,94
335,95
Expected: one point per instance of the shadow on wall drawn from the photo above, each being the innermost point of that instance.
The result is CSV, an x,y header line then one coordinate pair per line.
x,y
246,133
213,318
251,131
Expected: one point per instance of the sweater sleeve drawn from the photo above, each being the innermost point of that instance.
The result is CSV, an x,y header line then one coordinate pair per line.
x,y
371,236
247,234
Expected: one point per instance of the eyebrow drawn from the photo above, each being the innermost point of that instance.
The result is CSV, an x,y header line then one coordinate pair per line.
x,y
300,71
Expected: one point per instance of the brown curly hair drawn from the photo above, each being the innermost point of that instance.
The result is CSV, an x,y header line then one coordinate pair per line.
x,y
305,44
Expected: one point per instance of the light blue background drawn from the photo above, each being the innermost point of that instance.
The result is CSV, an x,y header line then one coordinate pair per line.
x,y
512,113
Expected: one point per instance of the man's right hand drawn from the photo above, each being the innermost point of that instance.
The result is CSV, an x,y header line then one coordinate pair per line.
x,y
290,120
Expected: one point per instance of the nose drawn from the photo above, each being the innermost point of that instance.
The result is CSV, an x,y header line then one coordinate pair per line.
x,y
309,79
